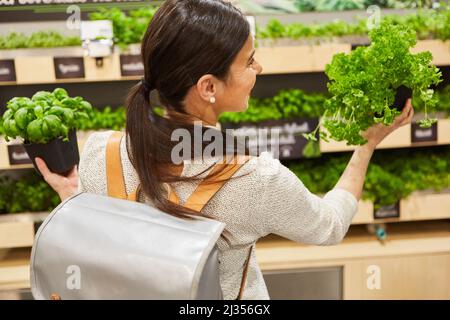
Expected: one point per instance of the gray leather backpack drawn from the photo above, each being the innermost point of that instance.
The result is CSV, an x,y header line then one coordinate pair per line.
x,y
113,247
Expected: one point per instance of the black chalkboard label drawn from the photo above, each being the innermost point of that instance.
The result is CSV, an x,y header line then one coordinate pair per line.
x,y
390,211
282,138
419,134
131,65
18,155
356,45
69,67
7,70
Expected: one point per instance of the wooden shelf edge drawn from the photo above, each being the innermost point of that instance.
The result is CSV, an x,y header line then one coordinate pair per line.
x,y
289,59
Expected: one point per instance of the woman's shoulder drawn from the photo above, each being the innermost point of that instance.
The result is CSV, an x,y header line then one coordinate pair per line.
x,y
96,140
255,170
92,166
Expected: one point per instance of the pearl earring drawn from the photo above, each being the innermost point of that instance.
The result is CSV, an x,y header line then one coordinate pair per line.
x,y
212,100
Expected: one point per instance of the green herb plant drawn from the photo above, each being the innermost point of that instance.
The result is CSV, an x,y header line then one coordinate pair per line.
x,y
44,117
363,84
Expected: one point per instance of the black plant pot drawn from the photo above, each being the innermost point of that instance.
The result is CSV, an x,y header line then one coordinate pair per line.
x,y
60,156
403,93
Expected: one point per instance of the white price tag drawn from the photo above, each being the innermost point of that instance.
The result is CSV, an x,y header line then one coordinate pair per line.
x,y
91,30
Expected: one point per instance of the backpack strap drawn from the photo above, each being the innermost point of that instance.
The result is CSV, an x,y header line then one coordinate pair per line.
x,y
205,191
114,172
216,179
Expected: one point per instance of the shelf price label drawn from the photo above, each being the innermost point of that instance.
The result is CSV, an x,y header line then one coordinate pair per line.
x,y
282,138
69,67
131,65
7,70
419,134
18,155
357,45
390,211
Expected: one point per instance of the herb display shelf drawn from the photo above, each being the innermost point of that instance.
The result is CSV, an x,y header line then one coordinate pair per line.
x,y
7,154
401,138
38,66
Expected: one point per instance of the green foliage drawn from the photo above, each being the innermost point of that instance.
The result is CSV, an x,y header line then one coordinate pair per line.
x,y
443,101
105,118
363,83
340,5
428,24
39,39
128,27
391,176
312,149
29,194
287,104
44,117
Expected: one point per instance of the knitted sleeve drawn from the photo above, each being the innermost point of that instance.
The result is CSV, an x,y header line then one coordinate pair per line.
x,y
289,209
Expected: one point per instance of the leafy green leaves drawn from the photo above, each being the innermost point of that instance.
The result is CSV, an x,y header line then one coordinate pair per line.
x,y
29,194
39,39
128,27
392,175
428,24
363,83
287,104
44,117
105,118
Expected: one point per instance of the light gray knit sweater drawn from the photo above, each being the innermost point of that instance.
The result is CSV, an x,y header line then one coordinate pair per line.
x,y
264,197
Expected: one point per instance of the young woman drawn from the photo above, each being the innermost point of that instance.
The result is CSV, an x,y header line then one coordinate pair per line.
x,y
199,58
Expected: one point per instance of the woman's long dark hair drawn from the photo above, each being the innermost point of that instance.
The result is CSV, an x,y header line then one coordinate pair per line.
x,y
185,40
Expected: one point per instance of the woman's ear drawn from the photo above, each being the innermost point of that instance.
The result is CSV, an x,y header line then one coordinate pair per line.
x,y
207,87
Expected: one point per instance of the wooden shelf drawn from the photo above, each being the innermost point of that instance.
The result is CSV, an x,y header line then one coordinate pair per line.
x,y
425,206
38,66
420,206
15,269
401,138
17,230
413,263
364,214
275,252
16,234
298,59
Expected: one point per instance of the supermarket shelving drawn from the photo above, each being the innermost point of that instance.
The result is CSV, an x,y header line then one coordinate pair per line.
x,y
38,66
409,250
401,138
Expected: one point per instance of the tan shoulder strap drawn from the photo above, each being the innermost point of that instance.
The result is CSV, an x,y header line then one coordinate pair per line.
x,y
216,179
114,173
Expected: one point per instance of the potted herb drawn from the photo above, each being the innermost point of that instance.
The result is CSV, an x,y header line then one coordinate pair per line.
x,y
364,84
47,124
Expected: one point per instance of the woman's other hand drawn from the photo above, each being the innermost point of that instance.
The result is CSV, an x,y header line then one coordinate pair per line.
x,y
65,186
378,132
